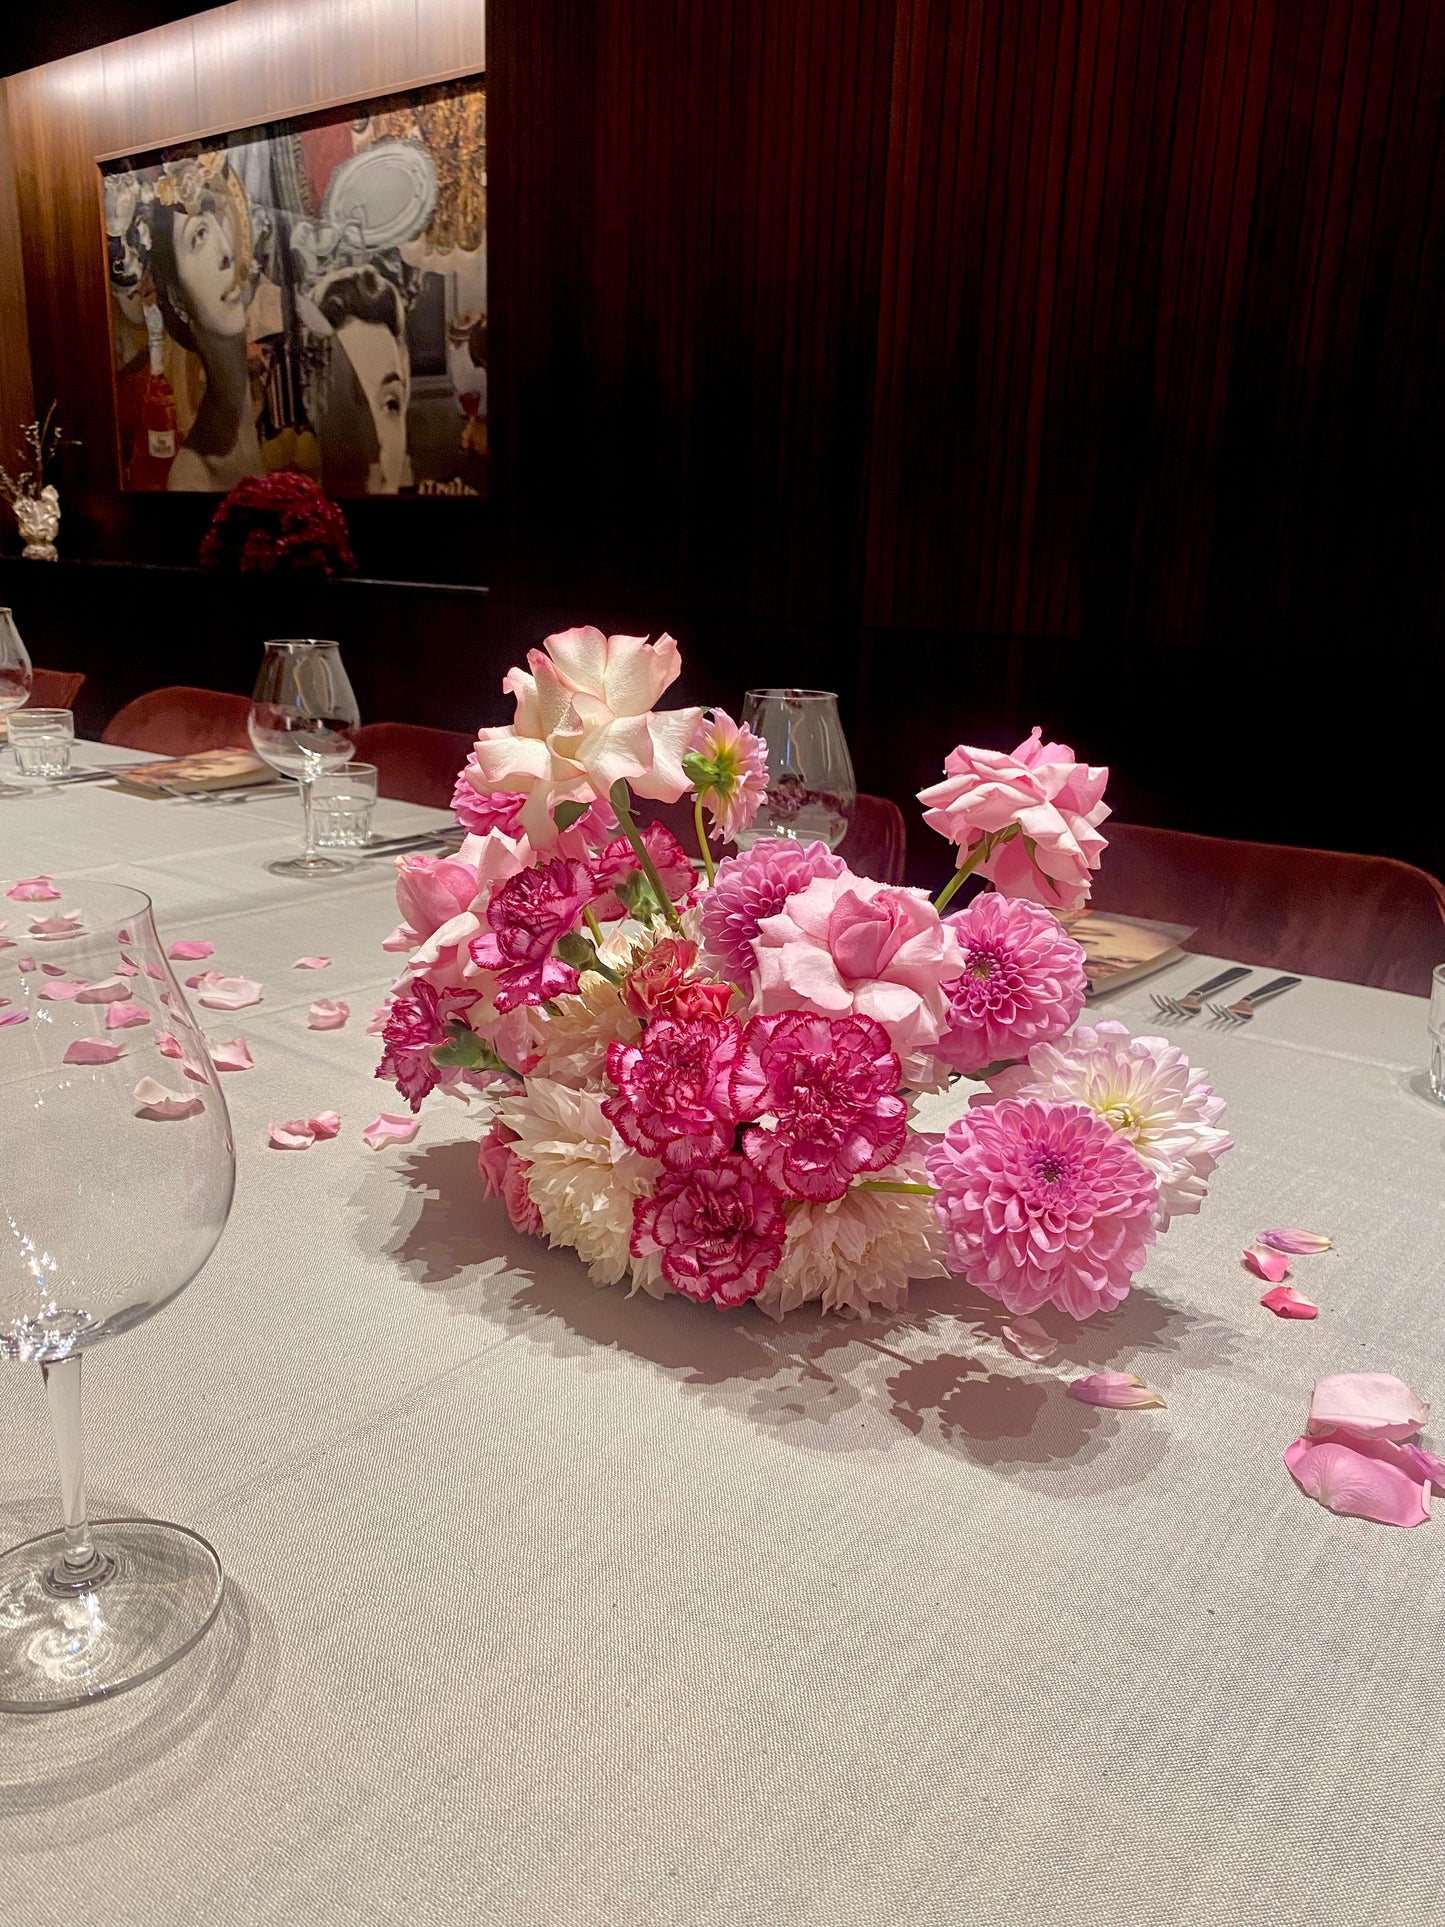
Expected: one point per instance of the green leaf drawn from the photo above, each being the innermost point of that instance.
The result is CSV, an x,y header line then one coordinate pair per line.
x,y
566,814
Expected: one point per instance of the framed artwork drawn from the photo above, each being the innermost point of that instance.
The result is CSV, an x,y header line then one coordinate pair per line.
x,y
308,295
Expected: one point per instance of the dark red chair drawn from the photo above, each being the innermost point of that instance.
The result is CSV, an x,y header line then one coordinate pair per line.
x,y
55,688
178,721
414,764
1324,913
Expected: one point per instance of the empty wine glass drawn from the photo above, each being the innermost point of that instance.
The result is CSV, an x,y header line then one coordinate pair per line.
x,y
811,785
303,713
16,675
116,1172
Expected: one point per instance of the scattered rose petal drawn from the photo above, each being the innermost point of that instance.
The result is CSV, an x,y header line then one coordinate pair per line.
x,y
1299,1244
33,890
1026,1338
312,963
154,970
235,1056
325,1123
26,963
230,993
13,1017
1285,1302
1272,1266
168,1044
91,1050
1374,1404
110,990
154,1100
1121,1391
53,970
1425,1465
1357,1484
326,1015
295,1136
190,949
57,992
126,1016
390,1129
402,938
57,926
125,967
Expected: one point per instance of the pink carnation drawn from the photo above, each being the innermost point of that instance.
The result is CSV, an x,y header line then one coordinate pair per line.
x,y
481,810
824,1092
1043,1204
674,1097
1039,806
717,1228
416,1022
527,915
1023,983
847,946
617,861
751,886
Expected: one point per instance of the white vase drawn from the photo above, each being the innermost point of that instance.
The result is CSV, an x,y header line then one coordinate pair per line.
x,y
39,519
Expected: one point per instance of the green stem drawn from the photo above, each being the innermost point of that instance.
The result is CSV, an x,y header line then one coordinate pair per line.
x,y
965,869
618,796
890,1184
707,862
594,926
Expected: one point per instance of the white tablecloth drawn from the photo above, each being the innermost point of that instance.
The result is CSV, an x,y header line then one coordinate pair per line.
x,y
548,1607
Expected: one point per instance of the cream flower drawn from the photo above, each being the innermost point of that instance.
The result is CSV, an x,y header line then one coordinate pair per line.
x,y
857,1254
578,1030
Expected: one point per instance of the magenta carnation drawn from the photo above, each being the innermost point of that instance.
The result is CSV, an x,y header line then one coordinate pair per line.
x,y
1043,1204
617,861
753,885
717,1228
674,1097
1023,983
415,1024
480,811
527,914
825,1094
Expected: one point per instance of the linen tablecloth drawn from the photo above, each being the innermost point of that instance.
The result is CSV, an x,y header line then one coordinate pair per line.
x,y
551,1608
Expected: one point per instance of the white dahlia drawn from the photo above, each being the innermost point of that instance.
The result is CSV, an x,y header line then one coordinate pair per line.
x,y
576,1032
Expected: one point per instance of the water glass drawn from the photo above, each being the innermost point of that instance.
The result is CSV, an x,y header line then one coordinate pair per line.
x,y
16,675
41,740
1437,1032
341,804
811,785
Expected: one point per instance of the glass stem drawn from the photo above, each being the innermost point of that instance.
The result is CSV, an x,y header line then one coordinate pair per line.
x,y
310,846
82,1567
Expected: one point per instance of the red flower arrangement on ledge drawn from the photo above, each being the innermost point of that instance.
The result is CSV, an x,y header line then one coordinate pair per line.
x,y
711,1083
278,525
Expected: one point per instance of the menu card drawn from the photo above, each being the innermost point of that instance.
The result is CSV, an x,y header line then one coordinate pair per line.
x,y
207,769
1119,950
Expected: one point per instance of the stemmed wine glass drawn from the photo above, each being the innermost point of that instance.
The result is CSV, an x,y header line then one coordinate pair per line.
x,y
303,713
16,675
116,1172
811,785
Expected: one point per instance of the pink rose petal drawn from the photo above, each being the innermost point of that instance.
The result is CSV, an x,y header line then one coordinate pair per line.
x,y
235,1056
1299,1244
1425,1465
154,1100
1121,1391
126,1016
125,967
91,1050
230,993
326,1015
13,1017
154,970
1285,1302
403,937
1272,1266
312,963
110,990
26,963
33,890
1026,1338
168,1044
53,970
295,1136
190,949
390,1129
57,926
325,1123
1374,1404
1357,1484
61,993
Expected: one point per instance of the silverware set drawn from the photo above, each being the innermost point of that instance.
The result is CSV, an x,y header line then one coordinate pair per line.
x,y
1239,1012
420,840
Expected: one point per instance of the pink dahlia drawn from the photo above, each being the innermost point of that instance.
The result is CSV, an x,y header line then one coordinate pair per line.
x,y
728,767
416,1022
674,1098
480,811
717,1229
1044,1204
751,886
527,915
1023,982
824,1094
617,863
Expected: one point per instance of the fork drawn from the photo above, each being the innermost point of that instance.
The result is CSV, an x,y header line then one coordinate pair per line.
x,y
1190,1004
1241,1012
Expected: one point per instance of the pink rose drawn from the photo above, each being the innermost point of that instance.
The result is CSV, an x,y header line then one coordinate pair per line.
x,y
527,915
718,1229
847,946
504,1176
431,890
1036,811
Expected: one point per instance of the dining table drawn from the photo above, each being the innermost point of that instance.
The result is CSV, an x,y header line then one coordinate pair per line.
x,y
550,1606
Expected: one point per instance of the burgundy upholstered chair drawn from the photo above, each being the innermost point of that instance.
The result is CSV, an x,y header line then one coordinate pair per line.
x,y
55,688
876,844
179,721
414,764
1324,913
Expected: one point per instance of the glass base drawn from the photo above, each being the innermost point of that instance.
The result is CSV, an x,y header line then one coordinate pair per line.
x,y
307,866
64,1648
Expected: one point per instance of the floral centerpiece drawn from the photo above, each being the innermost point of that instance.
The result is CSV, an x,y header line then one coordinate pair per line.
x,y
707,1079
278,524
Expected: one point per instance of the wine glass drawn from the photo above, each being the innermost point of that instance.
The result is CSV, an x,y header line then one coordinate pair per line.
x,y
116,1172
16,675
303,712
811,785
